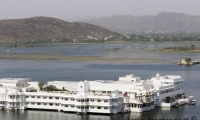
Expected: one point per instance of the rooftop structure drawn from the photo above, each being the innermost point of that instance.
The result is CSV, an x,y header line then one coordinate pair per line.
x,y
15,82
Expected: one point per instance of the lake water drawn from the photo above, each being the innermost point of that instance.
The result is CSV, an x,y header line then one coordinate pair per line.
x,y
75,71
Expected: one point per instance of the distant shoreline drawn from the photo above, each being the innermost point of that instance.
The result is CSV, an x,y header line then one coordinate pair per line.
x,y
107,42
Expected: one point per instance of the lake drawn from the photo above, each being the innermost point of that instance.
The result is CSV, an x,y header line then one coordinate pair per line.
x,y
50,70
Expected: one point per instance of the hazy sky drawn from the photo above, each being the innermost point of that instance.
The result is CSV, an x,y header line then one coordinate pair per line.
x,y
10,9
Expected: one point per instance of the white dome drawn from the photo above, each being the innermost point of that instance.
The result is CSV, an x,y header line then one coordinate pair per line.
x,y
157,75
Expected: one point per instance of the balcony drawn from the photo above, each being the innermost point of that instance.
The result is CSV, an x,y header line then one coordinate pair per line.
x,y
145,94
135,101
138,94
14,100
147,100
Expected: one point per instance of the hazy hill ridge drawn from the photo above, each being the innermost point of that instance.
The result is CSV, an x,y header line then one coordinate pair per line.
x,y
163,21
48,28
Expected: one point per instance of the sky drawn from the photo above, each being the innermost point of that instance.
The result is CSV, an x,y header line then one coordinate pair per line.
x,y
66,9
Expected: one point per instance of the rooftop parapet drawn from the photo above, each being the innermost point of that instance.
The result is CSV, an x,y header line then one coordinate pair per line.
x,y
129,78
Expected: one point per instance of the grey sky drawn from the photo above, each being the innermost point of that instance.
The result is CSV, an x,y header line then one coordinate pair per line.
x,y
10,9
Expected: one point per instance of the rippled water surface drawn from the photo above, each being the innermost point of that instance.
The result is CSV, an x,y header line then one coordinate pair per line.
x,y
75,71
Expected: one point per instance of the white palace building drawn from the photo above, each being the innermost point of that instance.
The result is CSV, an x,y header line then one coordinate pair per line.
x,y
128,94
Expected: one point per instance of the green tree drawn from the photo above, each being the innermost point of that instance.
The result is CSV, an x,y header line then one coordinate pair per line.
x,y
188,60
50,88
169,99
192,46
178,96
63,88
41,84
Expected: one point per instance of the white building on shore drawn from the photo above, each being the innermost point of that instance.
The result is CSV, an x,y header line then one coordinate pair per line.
x,y
129,93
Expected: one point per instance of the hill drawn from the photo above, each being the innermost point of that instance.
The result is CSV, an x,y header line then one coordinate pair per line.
x,y
48,29
163,21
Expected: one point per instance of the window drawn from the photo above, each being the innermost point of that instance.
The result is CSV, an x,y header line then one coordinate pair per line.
x,y
92,100
86,100
17,97
32,96
66,105
105,108
56,104
66,99
27,96
57,98
78,107
50,104
72,99
82,100
98,107
12,97
72,106
38,97
27,103
79,100
44,104
98,100
44,97
38,104
32,103
86,107
109,91
103,91
105,101
92,107
50,98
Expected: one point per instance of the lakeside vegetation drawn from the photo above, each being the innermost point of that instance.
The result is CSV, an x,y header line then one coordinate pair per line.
x,y
48,87
163,37
98,59
142,37
192,48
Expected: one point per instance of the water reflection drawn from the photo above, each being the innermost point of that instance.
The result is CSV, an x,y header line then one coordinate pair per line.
x,y
158,113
